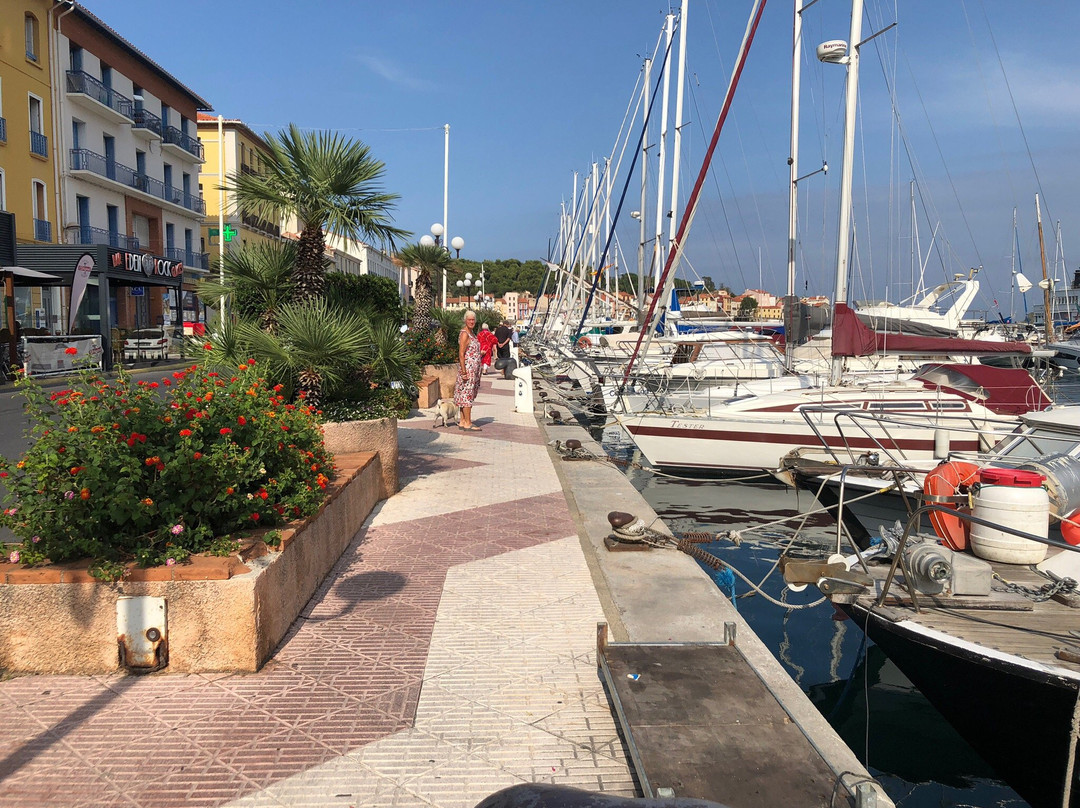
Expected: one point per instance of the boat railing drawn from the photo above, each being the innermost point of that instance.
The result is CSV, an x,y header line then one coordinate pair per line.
x,y
916,518
879,428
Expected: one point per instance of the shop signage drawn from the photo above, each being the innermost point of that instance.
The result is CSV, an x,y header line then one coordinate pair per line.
x,y
149,265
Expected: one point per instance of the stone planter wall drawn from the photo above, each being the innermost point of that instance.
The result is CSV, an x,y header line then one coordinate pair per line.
x,y
378,435
224,614
447,378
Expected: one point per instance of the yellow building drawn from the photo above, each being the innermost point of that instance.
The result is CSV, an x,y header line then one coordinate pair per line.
x,y
244,151
28,179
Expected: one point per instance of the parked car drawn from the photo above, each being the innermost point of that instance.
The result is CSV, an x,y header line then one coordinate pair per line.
x,y
146,343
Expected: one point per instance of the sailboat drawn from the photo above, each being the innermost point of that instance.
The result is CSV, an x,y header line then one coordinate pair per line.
x,y
764,421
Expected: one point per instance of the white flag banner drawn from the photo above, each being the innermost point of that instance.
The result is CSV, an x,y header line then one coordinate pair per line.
x,y
78,286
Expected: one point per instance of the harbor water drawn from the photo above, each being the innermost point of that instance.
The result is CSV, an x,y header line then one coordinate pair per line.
x,y
900,737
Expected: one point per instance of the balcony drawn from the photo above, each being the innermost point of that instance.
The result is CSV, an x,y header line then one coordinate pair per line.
x,y
86,160
42,230
82,234
39,144
146,123
174,137
3,130
192,260
263,226
120,107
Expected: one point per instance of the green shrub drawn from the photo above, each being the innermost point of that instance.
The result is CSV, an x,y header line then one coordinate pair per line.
x,y
154,471
427,350
381,402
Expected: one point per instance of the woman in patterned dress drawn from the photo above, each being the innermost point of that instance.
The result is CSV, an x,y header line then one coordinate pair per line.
x,y
468,377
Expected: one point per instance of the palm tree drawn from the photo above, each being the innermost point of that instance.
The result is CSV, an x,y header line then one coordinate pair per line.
x,y
329,183
429,260
256,281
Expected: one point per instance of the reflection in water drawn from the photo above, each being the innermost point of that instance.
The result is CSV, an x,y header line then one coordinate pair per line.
x,y
899,736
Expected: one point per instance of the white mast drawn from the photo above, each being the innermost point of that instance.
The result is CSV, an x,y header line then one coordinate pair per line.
x,y
843,236
677,142
793,167
607,232
646,96
659,253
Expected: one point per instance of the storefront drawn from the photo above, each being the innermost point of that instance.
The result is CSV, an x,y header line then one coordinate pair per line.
x,y
136,302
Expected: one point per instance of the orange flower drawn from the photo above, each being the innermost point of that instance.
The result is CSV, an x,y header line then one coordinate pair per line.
x,y
85,493
148,501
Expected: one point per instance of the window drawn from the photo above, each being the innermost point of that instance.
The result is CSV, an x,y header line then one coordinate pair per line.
x,y
164,114
78,134
167,176
106,75
188,238
112,213
36,122
42,228
170,238
186,183
140,162
184,122
31,28
137,96
76,56
82,207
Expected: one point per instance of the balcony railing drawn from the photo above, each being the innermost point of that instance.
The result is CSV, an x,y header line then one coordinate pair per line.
x,y
39,144
79,81
144,119
3,130
186,142
82,234
188,258
263,226
86,160
42,230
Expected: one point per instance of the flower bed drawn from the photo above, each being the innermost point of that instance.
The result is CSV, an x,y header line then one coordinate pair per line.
x,y
155,471
224,614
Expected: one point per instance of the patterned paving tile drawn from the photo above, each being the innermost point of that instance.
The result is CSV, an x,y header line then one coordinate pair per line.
x,y
447,655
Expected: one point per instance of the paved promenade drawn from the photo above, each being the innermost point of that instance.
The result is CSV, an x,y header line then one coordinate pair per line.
x,y
448,654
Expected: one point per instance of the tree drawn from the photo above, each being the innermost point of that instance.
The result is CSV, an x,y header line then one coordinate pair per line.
x,y
710,286
747,307
329,183
256,282
376,295
429,260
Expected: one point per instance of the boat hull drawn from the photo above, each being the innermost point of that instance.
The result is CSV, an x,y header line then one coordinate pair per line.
x,y
1016,715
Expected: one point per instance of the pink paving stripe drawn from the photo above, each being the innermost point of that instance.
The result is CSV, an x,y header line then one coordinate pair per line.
x,y
419,464
348,673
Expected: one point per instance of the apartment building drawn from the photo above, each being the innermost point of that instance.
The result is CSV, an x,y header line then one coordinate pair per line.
x,y
28,176
127,161
243,152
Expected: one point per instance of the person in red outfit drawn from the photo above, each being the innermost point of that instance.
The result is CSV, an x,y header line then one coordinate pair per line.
x,y
487,346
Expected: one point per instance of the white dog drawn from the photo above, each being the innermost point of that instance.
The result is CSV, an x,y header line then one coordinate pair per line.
x,y
445,412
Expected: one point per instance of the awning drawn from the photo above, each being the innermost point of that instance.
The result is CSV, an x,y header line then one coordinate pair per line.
x,y
851,337
23,272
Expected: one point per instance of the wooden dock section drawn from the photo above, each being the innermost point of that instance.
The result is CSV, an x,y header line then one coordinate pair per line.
x,y
699,722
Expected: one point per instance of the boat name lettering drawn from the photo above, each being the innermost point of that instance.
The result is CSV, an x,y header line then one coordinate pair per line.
x,y
686,425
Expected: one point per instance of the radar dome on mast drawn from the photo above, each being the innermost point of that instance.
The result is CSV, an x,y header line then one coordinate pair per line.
x,y
834,52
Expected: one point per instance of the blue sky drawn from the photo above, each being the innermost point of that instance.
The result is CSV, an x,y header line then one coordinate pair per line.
x,y
535,91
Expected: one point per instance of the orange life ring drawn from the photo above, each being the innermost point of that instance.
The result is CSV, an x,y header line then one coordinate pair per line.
x,y
584,342
946,481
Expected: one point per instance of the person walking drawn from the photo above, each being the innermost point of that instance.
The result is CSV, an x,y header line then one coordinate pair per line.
x,y
502,340
515,338
468,377
487,345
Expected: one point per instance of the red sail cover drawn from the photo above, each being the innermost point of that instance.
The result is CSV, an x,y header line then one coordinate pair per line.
x,y
851,338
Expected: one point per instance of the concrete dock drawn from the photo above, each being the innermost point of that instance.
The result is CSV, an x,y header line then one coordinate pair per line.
x,y
451,652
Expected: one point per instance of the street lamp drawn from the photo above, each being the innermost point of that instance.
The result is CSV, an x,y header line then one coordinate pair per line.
x,y
465,284
435,240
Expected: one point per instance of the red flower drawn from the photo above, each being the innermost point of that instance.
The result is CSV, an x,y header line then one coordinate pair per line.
x,y
184,433
71,351
207,346
153,384
84,494
251,361
197,455
225,430
263,495
255,517
242,421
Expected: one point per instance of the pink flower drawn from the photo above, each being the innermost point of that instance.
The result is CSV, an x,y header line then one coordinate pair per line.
x,y
36,539
170,562
177,530
14,557
11,511
69,495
